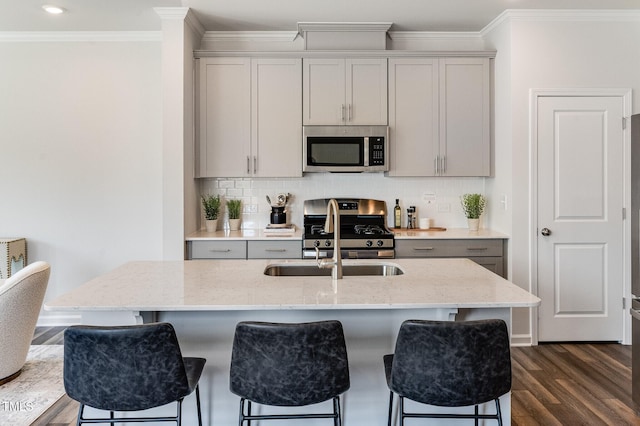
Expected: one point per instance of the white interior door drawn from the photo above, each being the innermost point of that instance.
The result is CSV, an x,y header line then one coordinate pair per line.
x,y
580,176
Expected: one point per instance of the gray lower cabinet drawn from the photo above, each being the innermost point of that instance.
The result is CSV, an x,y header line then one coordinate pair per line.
x,y
218,249
259,249
274,249
490,253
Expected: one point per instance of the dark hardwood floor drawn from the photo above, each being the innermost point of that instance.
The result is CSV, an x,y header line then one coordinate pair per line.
x,y
553,384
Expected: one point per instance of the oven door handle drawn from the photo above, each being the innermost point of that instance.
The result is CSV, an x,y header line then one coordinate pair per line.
x,y
635,314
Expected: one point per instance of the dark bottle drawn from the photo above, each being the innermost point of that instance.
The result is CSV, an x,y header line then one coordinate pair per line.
x,y
397,215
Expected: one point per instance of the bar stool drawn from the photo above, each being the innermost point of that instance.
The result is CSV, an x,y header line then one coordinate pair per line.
x,y
289,365
449,364
128,368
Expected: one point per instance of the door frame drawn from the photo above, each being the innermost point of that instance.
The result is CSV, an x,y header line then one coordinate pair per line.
x,y
534,95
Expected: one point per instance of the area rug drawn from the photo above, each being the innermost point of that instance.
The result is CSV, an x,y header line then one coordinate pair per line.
x,y
40,384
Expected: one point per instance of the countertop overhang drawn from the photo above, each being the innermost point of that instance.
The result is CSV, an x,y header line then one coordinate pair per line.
x,y
217,285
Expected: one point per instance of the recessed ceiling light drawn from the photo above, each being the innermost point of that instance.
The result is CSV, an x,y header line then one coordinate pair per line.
x,y
54,10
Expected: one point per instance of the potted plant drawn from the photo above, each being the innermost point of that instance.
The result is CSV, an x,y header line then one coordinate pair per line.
x,y
234,208
211,206
473,205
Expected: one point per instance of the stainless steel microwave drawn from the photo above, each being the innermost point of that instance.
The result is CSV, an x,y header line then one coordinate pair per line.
x,y
345,149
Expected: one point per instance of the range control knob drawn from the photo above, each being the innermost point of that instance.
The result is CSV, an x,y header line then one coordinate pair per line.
x,y
327,243
316,243
380,243
369,243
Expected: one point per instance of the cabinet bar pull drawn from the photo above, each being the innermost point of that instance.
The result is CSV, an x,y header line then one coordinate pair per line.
x,y
477,248
350,115
255,164
248,165
275,250
423,248
435,166
444,165
220,250
342,109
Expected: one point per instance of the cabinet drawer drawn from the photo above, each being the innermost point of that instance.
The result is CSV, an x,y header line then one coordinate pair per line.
x,y
218,250
448,248
274,250
494,264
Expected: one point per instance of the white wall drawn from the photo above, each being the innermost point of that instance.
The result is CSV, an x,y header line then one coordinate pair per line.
x,y
573,52
81,154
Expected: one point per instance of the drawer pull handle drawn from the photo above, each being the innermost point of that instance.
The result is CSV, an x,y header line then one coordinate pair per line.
x,y
276,250
220,250
477,248
423,248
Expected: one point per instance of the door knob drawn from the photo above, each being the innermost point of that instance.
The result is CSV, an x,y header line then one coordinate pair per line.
x,y
545,232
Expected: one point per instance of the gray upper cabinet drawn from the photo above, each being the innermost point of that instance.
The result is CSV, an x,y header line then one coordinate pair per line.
x,y
249,112
345,91
439,116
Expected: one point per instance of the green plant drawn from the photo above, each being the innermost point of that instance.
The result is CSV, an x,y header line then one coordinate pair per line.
x,y
233,207
211,205
473,205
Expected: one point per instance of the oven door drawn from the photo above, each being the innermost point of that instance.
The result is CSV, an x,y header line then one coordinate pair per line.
x,y
351,254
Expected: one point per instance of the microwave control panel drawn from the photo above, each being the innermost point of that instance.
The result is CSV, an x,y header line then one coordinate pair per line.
x,y
376,151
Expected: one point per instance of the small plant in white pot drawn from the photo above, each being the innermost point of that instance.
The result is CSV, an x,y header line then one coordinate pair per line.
x,y
234,208
211,206
473,206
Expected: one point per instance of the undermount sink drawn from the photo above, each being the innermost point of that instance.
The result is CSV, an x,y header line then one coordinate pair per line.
x,y
312,270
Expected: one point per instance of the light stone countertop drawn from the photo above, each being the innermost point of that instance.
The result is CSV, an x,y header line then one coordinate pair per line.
x,y
218,285
448,234
244,235
400,234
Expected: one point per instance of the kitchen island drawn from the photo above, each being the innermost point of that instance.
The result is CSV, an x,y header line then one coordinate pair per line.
x,y
205,299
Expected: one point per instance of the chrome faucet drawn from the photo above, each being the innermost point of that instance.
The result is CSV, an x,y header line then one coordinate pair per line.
x,y
332,224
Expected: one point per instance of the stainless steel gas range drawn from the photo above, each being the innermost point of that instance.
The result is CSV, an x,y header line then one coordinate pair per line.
x,y
363,230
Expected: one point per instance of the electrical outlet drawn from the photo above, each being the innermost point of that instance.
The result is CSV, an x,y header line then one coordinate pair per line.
x,y
429,197
444,207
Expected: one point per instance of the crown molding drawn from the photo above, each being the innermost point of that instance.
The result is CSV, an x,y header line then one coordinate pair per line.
x,y
250,36
343,26
80,36
562,15
433,35
182,14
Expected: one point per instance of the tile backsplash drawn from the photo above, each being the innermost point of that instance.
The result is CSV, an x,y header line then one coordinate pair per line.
x,y
437,198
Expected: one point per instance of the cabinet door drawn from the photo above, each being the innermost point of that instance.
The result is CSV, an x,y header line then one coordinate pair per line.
x,y
413,116
366,91
276,120
324,91
225,117
465,116
206,249
274,249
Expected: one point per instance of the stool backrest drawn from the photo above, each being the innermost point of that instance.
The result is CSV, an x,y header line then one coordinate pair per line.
x,y
124,368
289,364
452,364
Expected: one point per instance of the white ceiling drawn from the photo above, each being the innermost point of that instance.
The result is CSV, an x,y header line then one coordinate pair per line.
x,y
278,15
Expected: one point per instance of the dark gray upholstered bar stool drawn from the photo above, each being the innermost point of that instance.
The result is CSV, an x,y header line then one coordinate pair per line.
x,y
128,368
450,364
289,365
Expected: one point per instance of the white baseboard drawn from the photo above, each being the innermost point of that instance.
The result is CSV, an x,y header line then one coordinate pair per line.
x,y
58,319
521,340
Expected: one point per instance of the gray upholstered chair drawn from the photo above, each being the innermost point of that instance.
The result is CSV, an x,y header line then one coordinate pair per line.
x,y
128,368
449,364
21,298
289,365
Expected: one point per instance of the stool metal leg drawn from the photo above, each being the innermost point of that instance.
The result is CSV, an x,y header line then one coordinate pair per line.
x,y
198,404
390,407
